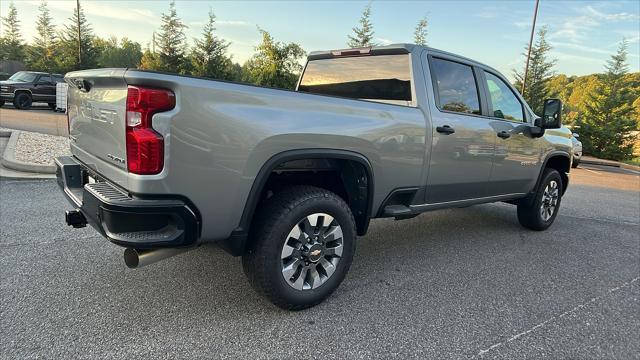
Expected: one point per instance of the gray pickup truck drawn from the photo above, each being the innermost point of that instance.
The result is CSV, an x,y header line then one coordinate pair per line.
x,y
287,179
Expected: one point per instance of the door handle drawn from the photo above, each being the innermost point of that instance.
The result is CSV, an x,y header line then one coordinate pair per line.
x,y
445,129
504,134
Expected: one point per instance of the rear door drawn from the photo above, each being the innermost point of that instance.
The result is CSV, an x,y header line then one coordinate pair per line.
x,y
463,140
515,165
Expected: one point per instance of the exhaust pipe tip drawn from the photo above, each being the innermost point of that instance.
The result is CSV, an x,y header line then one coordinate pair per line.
x,y
131,258
137,258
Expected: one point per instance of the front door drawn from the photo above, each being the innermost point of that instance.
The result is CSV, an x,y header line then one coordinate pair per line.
x,y
463,141
515,166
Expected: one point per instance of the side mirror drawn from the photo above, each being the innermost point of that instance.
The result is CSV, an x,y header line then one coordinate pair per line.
x,y
576,135
552,114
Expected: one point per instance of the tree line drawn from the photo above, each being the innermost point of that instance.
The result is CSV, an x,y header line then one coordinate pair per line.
x,y
605,108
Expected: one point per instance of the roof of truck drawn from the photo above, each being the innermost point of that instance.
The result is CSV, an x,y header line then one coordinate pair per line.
x,y
400,48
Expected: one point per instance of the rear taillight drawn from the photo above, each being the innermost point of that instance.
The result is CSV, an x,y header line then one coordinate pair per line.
x,y
145,146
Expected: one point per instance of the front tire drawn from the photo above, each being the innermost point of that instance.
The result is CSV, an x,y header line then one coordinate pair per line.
x,y
302,246
540,211
22,101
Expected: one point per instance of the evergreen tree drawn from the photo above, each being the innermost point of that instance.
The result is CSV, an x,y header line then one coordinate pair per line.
x,y
11,45
68,59
171,43
209,55
420,35
609,116
363,35
41,55
275,64
540,70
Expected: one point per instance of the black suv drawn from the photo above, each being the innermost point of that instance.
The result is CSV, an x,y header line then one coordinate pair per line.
x,y
25,87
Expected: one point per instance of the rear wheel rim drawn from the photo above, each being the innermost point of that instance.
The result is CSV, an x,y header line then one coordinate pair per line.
x,y
312,251
550,198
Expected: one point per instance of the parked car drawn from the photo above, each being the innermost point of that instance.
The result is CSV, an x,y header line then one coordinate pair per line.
x,y
26,87
162,163
577,150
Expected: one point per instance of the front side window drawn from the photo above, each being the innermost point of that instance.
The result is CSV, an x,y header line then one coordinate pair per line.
x,y
456,87
504,102
383,78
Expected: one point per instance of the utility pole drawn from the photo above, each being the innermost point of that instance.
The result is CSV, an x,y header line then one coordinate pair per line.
x,y
533,29
79,38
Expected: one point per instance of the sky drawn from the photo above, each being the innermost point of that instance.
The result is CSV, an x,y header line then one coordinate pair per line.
x,y
584,34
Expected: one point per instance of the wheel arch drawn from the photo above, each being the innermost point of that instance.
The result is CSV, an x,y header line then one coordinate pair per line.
x,y
559,161
237,242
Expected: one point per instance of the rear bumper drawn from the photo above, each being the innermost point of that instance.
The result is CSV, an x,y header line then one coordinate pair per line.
x,y
126,220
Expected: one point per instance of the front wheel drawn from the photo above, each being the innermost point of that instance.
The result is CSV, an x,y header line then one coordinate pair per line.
x,y
302,247
22,101
539,212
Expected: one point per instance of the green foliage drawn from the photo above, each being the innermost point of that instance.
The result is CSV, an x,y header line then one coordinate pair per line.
x,y
171,43
11,45
420,34
68,58
609,116
363,35
275,64
126,54
209,55
540,71
43,53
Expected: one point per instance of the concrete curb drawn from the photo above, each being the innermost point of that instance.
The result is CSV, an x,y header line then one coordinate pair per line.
x,y
5,133
594,161
9,161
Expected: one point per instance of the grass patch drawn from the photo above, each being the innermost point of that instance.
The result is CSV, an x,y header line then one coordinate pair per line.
x,y
634,161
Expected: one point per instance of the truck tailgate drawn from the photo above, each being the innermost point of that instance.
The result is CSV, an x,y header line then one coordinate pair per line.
x,y
96,109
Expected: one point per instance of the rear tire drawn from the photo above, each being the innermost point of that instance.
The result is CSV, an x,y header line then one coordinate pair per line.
x,y
22,101
293,262
1,103
539,212
52,106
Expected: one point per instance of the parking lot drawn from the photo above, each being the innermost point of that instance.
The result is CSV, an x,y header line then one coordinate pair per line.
x,y
463,283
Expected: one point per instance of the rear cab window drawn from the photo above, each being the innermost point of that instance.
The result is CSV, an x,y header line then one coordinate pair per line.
x,y
455,87
381,78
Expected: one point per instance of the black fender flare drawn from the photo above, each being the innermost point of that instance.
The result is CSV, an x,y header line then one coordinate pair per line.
x,y
553,154
236,243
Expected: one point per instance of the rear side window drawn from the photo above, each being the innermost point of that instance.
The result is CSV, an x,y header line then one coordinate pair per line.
x,y
383,78
456,86
504,102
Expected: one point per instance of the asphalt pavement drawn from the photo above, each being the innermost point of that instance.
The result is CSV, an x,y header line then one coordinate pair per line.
x,y
462,283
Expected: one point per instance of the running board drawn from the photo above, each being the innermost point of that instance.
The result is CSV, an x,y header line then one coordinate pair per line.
x,y
400,212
